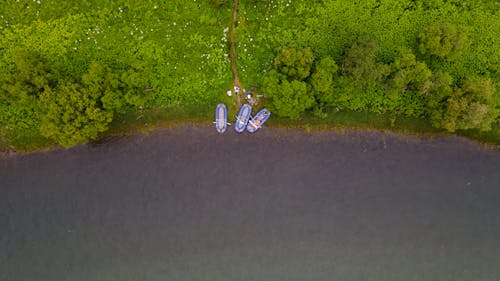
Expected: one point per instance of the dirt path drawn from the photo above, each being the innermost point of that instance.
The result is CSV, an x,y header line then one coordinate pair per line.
x,y
232,39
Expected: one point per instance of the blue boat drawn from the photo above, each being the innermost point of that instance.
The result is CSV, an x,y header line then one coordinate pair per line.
x,y
258,120
242,118
221,118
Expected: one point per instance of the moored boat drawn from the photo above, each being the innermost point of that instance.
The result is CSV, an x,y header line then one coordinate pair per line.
x,y
221,118
258,120
242,118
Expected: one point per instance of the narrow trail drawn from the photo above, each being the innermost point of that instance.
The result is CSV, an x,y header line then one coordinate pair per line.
x,y
232,39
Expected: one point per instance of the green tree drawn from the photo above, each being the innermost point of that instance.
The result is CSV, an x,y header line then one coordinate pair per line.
x,y
20,86
441,89
77,111
322,81
443,40
288,98
134,82
410,83
295,64
120,91
73,114
361,65
409,75
471,107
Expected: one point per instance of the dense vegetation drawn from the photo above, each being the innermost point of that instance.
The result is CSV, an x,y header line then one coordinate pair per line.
x,y
435,60
68,69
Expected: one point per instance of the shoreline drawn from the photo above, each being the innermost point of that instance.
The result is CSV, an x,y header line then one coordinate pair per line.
x,y
294,128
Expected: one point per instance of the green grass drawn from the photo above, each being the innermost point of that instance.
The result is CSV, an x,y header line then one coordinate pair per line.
x,y
25,141
144,121
183,43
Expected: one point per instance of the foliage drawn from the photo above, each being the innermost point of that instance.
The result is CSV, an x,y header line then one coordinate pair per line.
x,y
220,3
471,106
295,64
409,75
443,40
76,112
409,58
426,58
360,64
72,114
105,53
441,89
19,91
288,98
285,84
322,81
410,82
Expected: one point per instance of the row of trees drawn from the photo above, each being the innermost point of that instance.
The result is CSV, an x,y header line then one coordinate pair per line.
x,y
405,86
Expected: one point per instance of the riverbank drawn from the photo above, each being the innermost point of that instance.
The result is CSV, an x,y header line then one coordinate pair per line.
x,y
149,120
190,204
236,44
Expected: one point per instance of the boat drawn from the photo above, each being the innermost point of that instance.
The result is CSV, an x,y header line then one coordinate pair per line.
x,y
258,120
242,118
221,118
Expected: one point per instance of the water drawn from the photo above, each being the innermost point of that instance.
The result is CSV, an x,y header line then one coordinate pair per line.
x,y
189,204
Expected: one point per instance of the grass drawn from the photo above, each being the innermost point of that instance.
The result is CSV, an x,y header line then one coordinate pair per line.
x,y
136,122
143,122
185,43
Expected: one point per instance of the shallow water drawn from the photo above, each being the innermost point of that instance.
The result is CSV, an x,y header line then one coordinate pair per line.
x,y
189,204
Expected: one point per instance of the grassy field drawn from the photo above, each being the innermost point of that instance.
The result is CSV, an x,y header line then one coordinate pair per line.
x,y
183,47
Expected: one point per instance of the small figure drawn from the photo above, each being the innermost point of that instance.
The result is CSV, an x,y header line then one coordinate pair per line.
x,y
236,89
248,93
229,93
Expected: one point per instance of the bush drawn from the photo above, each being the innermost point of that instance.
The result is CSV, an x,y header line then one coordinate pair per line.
x,y
471,106
443,40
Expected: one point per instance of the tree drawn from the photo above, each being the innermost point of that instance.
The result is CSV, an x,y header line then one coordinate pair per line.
x,y
440,91
361,65
409,75
471,107
73,114
20,86
285,85
77,111
443,40
409,83
295,64
288,99
322,81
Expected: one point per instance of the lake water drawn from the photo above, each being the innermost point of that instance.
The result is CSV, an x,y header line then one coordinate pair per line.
x,y
190,204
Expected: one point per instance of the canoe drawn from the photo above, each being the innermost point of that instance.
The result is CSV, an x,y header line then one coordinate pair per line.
x,y
242,118
221,118
258,120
